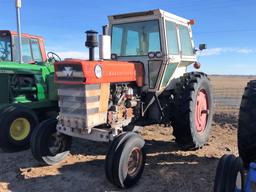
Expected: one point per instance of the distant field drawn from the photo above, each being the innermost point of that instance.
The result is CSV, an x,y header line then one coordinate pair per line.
x,y
228,91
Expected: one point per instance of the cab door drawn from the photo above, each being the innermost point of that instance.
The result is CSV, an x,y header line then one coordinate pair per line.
x,y
173,52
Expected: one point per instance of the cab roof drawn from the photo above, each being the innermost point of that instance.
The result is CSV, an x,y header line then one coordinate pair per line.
x,y
150,13
23,34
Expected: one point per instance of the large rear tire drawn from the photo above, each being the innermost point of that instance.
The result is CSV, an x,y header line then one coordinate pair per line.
x,y
47,145
192,108
125,160
16,125
247,125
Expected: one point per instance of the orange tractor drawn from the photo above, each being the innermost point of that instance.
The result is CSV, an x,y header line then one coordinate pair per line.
x,y
140,79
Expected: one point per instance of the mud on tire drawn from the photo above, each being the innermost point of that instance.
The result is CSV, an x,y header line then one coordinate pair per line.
x,y
192,110
247,125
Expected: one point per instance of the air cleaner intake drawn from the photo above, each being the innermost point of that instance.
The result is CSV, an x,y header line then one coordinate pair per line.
x,y
91,42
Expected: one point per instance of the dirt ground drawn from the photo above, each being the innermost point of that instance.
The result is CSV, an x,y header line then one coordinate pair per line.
x,y
167,168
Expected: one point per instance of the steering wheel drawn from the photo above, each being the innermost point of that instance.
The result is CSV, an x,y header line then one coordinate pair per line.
x,y
53,57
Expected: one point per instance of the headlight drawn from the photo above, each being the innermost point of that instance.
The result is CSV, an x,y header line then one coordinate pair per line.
x,y
98,71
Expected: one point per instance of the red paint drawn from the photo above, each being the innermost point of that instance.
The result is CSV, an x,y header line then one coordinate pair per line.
x,y
39,38
191,22
201,111
112,71
42,48
197,65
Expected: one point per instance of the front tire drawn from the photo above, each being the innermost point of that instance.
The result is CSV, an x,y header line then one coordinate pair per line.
x,y
16,125
229,174
49,146
125,160
192,110
247,125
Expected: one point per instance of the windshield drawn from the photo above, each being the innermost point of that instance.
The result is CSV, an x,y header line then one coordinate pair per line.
x,y
136,39
30,50
5,47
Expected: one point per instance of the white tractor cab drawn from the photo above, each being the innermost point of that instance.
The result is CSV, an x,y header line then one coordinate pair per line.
x,y
161,40
140,79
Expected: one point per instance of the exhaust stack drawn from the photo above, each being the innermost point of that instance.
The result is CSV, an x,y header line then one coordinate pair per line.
x,y
91,42
105,44
18,6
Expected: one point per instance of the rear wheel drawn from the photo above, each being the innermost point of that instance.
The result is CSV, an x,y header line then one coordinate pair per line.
x,y
192,108
229,175
16,125
247,125
125,160
48,145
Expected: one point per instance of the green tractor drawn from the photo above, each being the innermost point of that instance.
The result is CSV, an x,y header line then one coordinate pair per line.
x,y
28,94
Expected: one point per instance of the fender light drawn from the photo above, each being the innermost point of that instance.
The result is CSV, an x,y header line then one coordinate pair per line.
x,y
197,65
191,22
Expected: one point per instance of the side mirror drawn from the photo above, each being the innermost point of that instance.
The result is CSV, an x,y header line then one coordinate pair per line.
x,y
202,47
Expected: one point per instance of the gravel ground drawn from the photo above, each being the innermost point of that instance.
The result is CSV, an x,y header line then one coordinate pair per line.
x,y
167,168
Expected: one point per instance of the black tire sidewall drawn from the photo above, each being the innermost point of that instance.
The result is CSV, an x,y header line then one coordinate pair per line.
x,y
39,143
47,129
236,168
219,180
222,176
111,153
201,138
8,115
121,161
246,125
183,105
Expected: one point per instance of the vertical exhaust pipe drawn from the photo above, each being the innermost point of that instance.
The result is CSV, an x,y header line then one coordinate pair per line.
x,y
18,7
91,42
105,44
105,30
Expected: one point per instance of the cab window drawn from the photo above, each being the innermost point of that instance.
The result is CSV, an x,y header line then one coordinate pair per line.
x,y
26,51
185,41
30,50
36,50
5,47
172,39
136,39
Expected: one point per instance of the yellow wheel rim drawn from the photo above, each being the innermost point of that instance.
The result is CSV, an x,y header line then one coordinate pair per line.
x,y
20,129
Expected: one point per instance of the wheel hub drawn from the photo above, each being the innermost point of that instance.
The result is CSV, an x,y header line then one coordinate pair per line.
x,y
201,111
55,144
239,181
134,161
19,129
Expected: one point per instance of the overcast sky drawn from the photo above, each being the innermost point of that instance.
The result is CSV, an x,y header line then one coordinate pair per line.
x,y
226,26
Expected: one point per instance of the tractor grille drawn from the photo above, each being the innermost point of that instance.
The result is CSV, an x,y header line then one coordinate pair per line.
x,y
68,72
80,106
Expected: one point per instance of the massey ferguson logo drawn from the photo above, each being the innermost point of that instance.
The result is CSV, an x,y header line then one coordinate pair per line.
x,y
68,71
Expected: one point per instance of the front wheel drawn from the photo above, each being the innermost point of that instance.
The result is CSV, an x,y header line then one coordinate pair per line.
x,y
229,174
125,160
16,125
192,110
48,145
